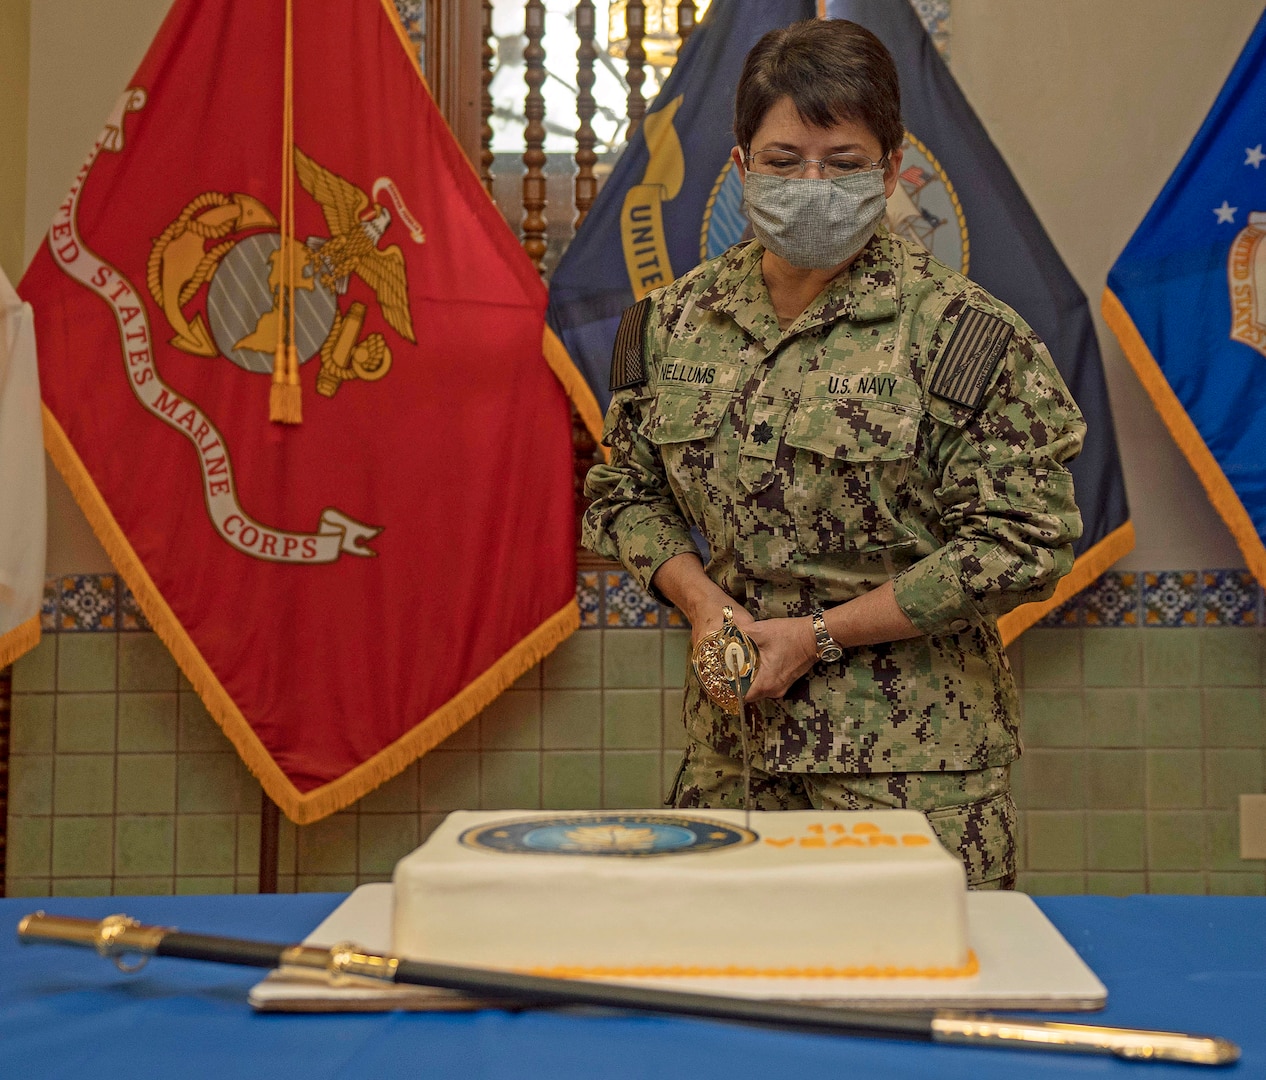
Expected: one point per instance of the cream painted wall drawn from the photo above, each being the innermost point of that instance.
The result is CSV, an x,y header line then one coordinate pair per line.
x,y
83,52
1092,102
15,39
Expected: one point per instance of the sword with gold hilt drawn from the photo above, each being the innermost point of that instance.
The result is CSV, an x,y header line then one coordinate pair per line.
x,y
725,663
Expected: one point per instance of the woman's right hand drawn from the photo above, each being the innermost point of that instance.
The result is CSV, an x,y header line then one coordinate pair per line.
x,y
710,617
700,599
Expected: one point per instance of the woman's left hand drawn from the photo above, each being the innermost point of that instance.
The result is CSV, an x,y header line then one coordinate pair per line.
x,y
787,650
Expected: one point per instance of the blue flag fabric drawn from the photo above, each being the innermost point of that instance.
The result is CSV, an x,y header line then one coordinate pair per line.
x,y
674,200
1187,299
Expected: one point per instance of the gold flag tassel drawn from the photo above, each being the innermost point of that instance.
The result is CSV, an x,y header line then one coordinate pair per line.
x,y
285,398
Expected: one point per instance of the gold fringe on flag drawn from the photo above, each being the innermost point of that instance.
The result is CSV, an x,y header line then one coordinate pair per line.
x,y
20,640
575,387
1185,433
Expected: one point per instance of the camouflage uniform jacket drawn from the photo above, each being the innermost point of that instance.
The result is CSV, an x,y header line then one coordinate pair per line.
x,y
818,462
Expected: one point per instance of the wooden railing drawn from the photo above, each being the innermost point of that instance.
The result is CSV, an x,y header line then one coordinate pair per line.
x,y
545,206
538,203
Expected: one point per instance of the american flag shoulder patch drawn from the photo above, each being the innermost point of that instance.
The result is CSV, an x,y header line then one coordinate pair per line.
x,y
628,366
970,356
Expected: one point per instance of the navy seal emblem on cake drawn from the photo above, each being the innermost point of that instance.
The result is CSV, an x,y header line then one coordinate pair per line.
x,y
597,833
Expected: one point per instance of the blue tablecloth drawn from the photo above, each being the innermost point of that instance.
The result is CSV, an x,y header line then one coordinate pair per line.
x,y
1194,964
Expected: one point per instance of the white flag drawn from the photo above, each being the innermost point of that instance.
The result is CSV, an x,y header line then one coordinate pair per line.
x,y
22,500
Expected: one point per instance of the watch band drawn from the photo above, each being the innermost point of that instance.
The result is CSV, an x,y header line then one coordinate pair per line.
x,y
829,649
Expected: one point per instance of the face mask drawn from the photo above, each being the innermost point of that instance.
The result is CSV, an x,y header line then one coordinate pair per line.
x,y
814,223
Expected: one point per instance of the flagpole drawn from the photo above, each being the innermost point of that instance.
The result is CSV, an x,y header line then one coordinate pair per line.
x,y
6,699
269,846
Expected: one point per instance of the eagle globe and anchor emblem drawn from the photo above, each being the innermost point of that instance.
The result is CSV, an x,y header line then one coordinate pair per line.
x,y
230,244
626,835
244,303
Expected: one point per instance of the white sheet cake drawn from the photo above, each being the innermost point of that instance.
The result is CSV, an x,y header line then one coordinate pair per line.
x,y
667,892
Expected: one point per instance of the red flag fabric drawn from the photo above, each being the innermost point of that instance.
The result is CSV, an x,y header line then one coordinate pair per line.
x,y
345,592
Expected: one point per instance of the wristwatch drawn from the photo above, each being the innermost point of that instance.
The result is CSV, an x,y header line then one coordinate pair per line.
x,y
828,648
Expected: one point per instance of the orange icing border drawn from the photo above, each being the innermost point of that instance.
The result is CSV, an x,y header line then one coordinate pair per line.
x,y
871,971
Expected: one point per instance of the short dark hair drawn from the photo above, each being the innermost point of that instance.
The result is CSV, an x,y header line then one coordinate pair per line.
x,y
832,69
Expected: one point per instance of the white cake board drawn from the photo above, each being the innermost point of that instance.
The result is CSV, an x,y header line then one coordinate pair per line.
x,y
1025,963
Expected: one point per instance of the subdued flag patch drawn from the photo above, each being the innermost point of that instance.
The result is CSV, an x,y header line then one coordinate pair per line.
x,y
628,364
965,365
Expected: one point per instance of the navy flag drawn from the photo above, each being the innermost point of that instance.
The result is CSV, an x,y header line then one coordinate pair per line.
x,y
1187,299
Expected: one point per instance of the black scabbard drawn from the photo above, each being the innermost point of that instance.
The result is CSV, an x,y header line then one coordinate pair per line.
x,y
536,991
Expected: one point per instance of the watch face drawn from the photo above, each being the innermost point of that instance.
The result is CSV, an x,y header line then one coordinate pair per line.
x,y
830,653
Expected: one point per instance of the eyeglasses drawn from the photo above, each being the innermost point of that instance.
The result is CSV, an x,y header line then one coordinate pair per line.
x,y
785,163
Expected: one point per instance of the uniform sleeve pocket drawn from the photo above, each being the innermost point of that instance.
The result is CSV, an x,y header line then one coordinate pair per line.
x,y
1017,487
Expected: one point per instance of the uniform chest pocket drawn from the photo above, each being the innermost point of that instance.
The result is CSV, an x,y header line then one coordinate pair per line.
x,y
684,425
852,461
677,416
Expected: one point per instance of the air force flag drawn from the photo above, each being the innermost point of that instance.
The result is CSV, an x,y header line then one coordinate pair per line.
x,y
1187,299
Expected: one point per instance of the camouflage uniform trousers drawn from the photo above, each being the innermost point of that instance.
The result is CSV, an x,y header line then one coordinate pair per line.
x,y
971,812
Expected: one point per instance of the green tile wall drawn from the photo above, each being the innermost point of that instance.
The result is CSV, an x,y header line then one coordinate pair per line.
x,y
1138,742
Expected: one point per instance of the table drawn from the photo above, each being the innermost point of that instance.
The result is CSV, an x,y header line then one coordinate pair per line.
x,y
1193,964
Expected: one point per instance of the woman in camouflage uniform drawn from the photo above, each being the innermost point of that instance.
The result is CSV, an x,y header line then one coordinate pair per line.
x,y
874,449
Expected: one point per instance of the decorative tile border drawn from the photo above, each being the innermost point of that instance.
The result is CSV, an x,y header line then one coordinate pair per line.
x,y
628,604
131,617
589,598
88,602
1113,600
1231,598
48,607
1067,614
413,18
612,599
1171,598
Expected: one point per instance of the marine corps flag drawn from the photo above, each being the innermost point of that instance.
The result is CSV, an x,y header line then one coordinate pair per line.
x,y
957,197
345,591
1187,300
